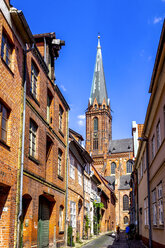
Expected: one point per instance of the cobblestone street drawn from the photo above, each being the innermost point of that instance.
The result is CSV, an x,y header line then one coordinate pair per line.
x,y
107,241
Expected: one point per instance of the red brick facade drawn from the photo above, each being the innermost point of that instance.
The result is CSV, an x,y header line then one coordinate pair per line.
x,y
11,99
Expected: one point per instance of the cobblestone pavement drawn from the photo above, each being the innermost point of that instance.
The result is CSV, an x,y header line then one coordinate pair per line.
x,y
108,241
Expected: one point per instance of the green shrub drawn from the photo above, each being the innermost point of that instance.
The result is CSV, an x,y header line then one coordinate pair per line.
x,y
70,237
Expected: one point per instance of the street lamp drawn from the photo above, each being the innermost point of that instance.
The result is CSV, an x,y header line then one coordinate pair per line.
x,y
145,139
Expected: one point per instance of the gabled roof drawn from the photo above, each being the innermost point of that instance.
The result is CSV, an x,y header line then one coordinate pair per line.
x,y
98,89
122,145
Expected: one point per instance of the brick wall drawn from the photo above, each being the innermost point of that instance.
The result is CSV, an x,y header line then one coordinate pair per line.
x,y
11,97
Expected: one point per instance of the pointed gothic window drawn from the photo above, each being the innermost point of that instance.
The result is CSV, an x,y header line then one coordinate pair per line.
x,y
113,167
95,124
129,166
125,202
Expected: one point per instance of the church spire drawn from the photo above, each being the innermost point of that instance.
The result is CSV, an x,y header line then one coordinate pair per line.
x,y
98,89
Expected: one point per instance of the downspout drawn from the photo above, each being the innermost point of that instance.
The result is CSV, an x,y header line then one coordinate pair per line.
x,y
45,50
22,152
66,198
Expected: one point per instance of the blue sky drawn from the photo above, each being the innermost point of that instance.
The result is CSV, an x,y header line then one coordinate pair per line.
x,y
130,32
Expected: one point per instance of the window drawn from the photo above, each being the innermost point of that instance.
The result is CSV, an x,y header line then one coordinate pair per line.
x,y
95,144
125,202
73,213
6,50
160,204
3,122
49,145
95,106
146,211
154,206
95,124
59,162
79,174
34,78
60,117
61,216
32,138
49,101
72,167
158,135
129,166
125,220
153,146
113,167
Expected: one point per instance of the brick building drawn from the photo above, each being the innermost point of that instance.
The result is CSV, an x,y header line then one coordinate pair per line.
x,y
112,158
150,159
33,136
46,128
12,46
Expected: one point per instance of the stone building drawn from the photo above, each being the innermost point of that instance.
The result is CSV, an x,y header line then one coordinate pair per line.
x,y
150,159
112,158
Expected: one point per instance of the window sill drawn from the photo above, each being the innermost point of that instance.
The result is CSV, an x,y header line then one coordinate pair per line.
x,y
61,133
61,178
146,227
3,143
34,160
7,67
34,98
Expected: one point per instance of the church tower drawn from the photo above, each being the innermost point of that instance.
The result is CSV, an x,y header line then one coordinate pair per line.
x,y
98,114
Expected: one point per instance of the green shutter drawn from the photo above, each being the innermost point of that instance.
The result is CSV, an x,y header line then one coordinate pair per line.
x,y
43,223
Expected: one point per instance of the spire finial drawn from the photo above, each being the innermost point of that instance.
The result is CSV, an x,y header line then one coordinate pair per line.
x,y
98,46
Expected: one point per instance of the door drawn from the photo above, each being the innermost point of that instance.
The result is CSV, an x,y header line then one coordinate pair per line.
x,y
43,222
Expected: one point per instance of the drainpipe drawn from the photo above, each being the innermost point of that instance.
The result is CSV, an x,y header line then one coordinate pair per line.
x,y
66,198
22,147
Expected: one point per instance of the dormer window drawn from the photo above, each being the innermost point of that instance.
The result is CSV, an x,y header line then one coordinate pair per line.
x,y
95,106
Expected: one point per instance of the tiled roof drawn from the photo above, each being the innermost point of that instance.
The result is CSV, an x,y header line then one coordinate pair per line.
x,y
124,182
111,180
122,145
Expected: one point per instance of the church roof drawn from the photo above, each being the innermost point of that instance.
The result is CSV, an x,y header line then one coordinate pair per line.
x,y
111,180
98,89
122,145
124,182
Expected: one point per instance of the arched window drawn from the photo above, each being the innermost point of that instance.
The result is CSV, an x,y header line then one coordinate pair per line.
x,y
125,202
125,220
129,166
113,167
95,124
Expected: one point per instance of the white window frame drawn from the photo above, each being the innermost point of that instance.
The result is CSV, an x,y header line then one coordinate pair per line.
x,y
61,217
158,135
154,208
153,146
32,139
59,162
73,213
146,211
79,169
72,166
160,204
